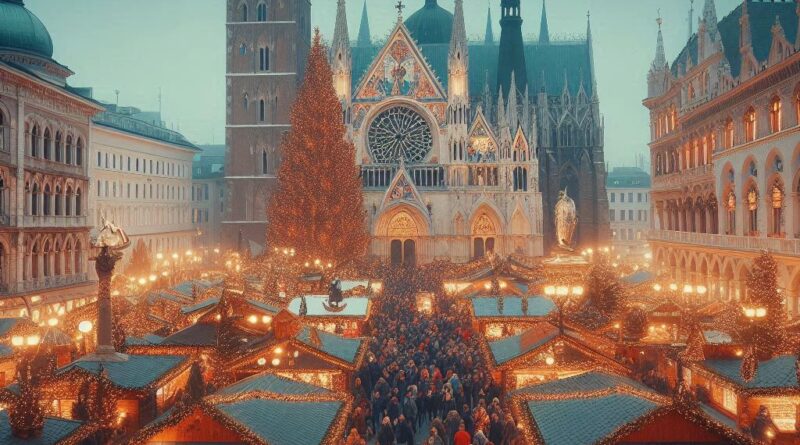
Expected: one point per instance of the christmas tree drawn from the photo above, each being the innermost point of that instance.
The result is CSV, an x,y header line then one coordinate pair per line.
x,y
318,207
140,260
604,289
768,335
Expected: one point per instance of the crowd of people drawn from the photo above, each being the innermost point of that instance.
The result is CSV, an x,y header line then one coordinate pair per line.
x,y
426,371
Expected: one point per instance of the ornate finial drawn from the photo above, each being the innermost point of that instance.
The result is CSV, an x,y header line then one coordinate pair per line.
x,y
400,7
659,20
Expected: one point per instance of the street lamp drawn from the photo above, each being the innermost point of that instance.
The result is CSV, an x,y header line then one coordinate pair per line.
x,y
561,296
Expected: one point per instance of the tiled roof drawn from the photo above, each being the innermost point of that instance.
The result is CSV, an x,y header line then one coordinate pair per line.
x,y
628,177
509,348
342,348
547,65
778,372
55,430
198,334
205,304
137,372
263,306
283,422
185,288
352,307
273,384
131,125
587,382
145,340
512,307
762,17
586,421
7,324
639,277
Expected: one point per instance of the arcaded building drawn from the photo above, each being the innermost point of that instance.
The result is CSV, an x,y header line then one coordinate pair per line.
x,y
725,149
45,132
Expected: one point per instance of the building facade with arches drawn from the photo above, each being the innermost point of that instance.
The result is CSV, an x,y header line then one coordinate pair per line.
x,y
45,132
440,179
725,150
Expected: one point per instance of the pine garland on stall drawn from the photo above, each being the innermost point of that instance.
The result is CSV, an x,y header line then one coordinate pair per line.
x,y
318,206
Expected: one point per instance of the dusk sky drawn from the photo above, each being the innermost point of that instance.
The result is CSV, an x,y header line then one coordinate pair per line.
x,y
179,46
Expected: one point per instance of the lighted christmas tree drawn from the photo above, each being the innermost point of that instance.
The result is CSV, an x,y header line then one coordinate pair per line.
x,y
141,263
25,412
768,335
318,207
604,290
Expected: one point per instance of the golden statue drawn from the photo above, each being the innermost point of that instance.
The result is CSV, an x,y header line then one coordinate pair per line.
x,y
566,220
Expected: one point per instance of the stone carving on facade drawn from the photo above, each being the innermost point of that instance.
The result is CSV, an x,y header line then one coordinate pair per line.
x,y
402,225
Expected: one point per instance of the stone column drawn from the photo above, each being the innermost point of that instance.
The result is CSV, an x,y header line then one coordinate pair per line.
x,y
104,266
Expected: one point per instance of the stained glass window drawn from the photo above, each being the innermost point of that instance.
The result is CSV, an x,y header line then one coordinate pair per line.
x,y
399,131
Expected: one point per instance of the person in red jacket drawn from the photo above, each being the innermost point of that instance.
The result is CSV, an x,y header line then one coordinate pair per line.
x,y
462,437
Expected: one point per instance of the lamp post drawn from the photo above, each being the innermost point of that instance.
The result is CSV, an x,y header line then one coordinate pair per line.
x,y
561,296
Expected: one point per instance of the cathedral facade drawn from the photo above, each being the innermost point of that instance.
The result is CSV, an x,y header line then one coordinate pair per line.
x,y
461,152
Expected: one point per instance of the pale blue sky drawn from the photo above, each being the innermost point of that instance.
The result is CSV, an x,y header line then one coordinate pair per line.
x,y
179,45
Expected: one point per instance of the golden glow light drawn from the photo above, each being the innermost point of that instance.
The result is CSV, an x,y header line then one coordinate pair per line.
x,y
262,361
252,319
52,322
85,326
17,340
32,340
276,361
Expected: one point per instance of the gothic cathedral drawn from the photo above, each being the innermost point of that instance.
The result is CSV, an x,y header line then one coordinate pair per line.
x,y
455,152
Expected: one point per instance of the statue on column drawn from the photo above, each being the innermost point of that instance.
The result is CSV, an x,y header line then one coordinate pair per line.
x,y
566,220
109,241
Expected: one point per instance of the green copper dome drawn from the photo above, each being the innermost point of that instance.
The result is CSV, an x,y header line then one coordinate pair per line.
x,y
431,24
21,30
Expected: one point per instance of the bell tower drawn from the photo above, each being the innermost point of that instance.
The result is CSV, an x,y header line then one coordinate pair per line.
x,y
512,51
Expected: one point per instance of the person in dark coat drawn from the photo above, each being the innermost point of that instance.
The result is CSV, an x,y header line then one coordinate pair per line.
x,y
404,432
451,423
386,435
496,430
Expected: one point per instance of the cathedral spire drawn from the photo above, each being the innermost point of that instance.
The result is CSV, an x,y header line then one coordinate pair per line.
x,y
501,110
341,35
590,48
745,37
487,98
512,115
458,40
544,30
489,39
364,38
710,19
512,51
660,60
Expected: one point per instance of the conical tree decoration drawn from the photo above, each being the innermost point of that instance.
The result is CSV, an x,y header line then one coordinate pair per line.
x,y
694,347
769,335
195,386
25,412
318,206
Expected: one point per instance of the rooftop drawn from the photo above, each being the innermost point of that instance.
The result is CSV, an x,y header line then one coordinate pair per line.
x,y
628,177
138,372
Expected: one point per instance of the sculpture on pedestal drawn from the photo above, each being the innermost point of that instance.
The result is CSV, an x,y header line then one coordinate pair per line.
x,y
566,220
108,243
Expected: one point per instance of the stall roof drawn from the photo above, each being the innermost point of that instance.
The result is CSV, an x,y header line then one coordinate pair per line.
x,y
351,307
486,307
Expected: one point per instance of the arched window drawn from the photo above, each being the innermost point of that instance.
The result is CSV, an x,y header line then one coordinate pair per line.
x,y
264,162
242,49
691,92
35,262
48,143
47,200
245,102
68,202
79,153
78,203
59,147
731,213
35,199
77,258
2,132
261,110
752,211
776,228
59,197
263,59
34,149
729,133
750,125
68,159
261,12
775,115
244,12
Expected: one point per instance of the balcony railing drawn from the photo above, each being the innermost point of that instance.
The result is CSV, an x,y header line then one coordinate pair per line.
x,y
730,242
43,283
55,221
676,180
